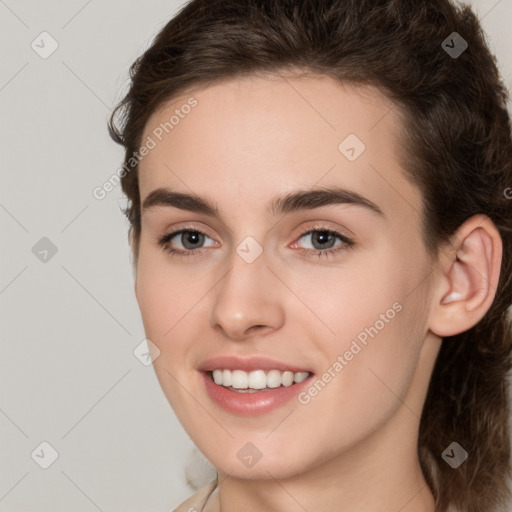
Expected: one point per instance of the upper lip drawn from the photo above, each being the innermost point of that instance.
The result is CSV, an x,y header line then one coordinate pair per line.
x,y
248,364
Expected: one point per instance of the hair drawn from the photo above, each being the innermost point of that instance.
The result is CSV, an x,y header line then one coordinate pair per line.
x,y
457,150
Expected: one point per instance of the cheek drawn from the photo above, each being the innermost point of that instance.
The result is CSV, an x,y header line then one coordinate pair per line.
x,y
166,307
166,296
351,298
364,383
371,321
153,301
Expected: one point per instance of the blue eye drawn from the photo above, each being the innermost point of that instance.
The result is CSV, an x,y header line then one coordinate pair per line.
x,y
189,238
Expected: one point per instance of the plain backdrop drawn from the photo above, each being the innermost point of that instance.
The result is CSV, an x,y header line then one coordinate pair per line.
x,y
70,324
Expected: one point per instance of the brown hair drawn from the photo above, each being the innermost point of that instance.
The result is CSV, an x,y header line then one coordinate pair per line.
x,y
458,151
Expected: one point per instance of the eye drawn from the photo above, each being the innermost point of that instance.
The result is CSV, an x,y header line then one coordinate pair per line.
x,y
191,241
324,239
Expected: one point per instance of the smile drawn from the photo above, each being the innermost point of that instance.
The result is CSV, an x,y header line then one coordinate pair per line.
x,y
247,401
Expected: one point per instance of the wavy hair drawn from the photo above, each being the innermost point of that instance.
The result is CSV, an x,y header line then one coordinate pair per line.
x,y
457,150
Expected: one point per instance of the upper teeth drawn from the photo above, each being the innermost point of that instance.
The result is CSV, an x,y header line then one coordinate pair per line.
x,y
257,379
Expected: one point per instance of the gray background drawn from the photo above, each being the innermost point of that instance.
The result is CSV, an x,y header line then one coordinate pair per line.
x,y
70,324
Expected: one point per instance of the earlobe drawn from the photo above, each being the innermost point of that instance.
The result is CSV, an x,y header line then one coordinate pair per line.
x,y
468,281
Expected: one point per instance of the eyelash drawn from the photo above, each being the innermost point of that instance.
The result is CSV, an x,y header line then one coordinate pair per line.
x,y
163,241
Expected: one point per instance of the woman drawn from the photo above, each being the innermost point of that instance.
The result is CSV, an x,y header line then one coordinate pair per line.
x,y
321,224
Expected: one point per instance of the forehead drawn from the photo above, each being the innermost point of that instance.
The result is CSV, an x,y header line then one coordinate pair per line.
x,y
252,138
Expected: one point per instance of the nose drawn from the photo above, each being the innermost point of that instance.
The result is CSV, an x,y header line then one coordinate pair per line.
x,y
247,301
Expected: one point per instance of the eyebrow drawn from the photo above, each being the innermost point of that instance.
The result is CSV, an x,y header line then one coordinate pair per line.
x,y
292,202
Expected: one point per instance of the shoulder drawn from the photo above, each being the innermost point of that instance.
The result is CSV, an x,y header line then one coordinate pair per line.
x,y
197,501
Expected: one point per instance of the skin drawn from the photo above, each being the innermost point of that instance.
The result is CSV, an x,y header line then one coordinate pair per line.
x,y
353,447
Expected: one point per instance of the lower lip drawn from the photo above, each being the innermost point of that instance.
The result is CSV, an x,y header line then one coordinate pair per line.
x,y
252,404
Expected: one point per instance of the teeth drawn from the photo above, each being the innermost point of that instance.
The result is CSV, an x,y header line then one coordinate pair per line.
x,y
257,379
225,377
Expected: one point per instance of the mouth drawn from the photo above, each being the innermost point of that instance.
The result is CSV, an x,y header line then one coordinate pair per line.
x,y
252,385
253,393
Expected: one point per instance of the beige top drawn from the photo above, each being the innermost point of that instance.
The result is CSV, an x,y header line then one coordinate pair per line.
x,y
204,500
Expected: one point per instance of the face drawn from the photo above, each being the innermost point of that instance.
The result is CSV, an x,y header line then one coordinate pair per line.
x,y
309,260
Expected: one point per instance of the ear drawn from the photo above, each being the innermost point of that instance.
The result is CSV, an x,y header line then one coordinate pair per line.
x,y
469,272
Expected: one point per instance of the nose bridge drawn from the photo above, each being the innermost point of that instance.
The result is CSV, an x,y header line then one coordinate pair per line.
x,y
247,296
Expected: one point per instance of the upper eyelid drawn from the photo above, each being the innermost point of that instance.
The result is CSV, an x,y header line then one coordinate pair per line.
x,y
322,227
